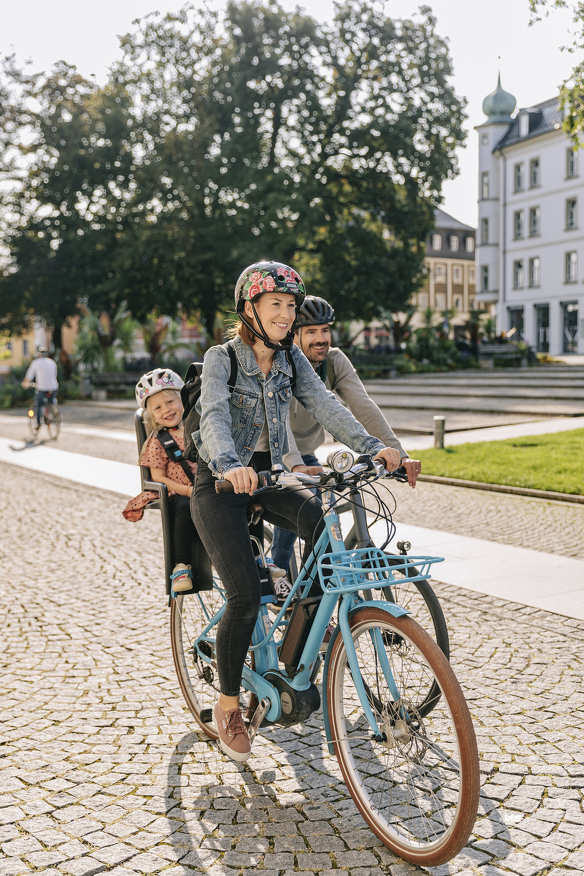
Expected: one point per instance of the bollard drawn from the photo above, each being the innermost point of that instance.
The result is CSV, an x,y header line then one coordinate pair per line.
x,y
439,422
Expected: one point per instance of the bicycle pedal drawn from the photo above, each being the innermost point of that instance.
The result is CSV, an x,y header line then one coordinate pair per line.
x,y
206,716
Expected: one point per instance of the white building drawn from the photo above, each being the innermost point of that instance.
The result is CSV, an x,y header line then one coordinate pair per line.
x,y
530,248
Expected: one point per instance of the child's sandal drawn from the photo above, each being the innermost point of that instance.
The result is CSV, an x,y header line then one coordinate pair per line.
x,y
182,578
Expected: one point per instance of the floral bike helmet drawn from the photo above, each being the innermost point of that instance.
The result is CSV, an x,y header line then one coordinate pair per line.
x,y
267,276
155,381
314,311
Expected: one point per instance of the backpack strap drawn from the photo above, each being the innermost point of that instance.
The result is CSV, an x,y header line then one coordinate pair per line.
x,y
174,453
234,366
292,364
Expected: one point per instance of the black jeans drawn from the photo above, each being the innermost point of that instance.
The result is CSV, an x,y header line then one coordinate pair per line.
x,y
187,545
221,521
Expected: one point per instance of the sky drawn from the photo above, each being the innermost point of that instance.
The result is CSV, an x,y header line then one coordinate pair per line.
x,y
485,36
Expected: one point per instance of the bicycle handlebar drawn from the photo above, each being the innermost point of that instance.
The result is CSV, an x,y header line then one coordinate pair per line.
x,y
268,479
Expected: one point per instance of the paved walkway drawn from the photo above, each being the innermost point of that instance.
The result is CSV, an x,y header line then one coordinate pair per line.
x,y
103,771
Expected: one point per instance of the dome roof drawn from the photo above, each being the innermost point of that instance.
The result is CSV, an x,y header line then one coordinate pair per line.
x,y
499,105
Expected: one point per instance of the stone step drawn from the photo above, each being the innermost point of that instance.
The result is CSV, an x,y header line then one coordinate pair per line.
x,y
538,407
519,392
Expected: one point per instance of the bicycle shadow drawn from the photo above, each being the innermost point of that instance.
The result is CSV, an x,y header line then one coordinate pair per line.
x,y
30,443
201,805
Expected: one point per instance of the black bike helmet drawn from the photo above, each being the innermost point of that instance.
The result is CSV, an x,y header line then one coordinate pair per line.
x,y
268,276
314,311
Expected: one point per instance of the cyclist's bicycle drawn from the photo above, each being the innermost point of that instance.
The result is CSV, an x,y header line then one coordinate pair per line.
x,y
50,415
408,757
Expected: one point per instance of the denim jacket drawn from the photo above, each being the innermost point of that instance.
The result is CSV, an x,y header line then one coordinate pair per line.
x,y
231,423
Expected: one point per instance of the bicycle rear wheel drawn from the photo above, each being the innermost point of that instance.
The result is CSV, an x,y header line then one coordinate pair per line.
x,y
199,683
417,787
53,420
33,426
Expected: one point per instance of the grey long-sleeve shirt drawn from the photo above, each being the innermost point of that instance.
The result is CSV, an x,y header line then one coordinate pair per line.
x,y
343,380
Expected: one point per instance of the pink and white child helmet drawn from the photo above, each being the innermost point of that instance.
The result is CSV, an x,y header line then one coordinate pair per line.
x,y
155,381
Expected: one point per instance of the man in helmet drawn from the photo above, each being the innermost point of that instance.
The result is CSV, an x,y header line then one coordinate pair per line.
x,y
43,372
313,336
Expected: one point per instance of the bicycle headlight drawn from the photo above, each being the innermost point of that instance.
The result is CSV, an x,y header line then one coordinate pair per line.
x,y
340,461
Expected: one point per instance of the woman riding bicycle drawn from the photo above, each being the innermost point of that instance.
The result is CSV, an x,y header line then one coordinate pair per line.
x,y
242,432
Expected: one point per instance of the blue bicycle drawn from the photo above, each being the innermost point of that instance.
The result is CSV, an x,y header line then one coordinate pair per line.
x,y
394,713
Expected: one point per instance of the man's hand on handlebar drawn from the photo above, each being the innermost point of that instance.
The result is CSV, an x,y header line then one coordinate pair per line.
x,y
413,468
244,479
308,469
390,457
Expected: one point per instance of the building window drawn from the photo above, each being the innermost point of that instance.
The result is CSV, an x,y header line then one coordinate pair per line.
x,y
440,301
516,322
9,346
533,221
471,275
484,231
439,273
524,125
457,302
534,271
457,275
534,172
484,186
518,274
453,243
518,177
469,244
436,241
571,267
518,224
571,213
472,303
571,163
484,278
25,352
422,300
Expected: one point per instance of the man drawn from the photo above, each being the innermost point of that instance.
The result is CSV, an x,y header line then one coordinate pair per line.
x,y
313,336
43,372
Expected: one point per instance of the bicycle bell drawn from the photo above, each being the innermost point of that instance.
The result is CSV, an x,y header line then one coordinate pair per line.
x,y
340,461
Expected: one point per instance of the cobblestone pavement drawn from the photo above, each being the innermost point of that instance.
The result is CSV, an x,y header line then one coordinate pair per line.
x,y
553,527
102,770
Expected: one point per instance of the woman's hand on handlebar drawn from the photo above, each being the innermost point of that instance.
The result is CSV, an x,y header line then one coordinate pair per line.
x,y
413,468
308,469
243,479
390,457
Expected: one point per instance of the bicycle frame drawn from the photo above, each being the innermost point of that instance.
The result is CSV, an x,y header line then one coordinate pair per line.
x,y
368,568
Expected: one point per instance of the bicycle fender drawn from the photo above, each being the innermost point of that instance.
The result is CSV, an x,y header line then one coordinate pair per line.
x,y
390,608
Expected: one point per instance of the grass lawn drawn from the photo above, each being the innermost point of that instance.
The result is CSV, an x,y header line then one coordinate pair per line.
x,y
543,462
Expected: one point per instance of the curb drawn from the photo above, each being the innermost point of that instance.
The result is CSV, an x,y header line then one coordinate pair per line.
x,y
501,488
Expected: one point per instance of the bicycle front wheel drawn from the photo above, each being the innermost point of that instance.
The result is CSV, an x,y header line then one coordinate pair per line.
x,y
33,426
53,421
417,785
199,683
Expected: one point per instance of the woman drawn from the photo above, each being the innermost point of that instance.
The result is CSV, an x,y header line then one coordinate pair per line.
x,y
243,432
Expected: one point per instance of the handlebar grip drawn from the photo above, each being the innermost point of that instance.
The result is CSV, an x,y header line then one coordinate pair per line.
x,y
223,487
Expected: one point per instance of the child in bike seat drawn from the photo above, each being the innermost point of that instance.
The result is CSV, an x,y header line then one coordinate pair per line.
x,y
243,431
158,392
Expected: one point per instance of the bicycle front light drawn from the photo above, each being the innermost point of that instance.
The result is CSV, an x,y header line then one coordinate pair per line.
x,y
31,414
340,461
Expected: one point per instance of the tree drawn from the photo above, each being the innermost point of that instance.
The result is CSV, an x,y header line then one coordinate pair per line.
x,y
572,89
219,141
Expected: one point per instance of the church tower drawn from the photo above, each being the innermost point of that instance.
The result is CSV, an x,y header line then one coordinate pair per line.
x,y
497,107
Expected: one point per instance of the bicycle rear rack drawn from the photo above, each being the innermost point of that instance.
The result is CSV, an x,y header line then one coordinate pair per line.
x,y
369,568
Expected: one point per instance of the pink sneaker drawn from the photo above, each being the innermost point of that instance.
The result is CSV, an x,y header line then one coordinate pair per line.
x,y
233,735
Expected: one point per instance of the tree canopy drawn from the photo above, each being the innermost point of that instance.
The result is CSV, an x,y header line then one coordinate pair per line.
x,y
572,90
222,139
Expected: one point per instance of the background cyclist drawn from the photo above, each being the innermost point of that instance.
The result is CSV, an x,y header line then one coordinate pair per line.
x,y
43,372
313,336
243,432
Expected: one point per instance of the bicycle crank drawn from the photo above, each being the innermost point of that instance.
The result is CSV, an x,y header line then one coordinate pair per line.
x,y
258,716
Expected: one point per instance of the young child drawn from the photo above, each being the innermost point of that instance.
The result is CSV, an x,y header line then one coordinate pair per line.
x,y
158,392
